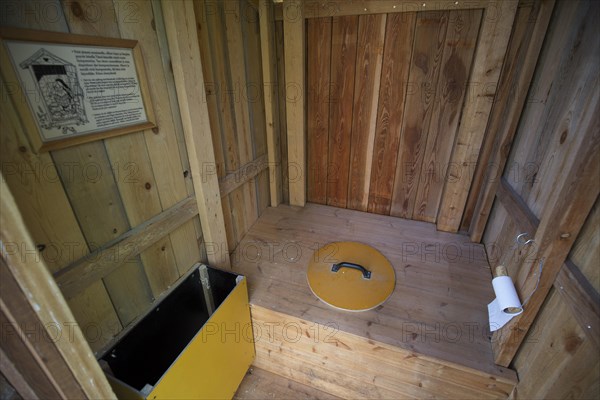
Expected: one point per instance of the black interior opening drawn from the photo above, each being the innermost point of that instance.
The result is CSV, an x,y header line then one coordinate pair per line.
x,y
149,349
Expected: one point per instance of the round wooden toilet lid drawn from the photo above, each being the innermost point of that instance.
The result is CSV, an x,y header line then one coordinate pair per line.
x,y
351,276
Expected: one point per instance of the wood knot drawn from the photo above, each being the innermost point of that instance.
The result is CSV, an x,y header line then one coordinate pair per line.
x,y
155,130
163,248
563,136
23,149
115,230
186,173
76,9
148,185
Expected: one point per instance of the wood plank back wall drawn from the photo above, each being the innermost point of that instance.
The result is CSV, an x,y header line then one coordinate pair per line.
x,y
75,200
229,37
385,94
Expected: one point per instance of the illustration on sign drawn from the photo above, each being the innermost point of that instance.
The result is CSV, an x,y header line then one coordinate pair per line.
x,y
76,90
61,96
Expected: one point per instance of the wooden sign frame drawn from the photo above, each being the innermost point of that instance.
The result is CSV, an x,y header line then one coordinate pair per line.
x,y
22,103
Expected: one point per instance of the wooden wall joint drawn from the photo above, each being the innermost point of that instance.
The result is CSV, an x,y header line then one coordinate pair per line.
x,y
245,173
581,297
87,270
517,209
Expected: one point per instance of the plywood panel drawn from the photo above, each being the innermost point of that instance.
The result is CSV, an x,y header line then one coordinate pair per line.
x,y
371,35
318,59
459,49
425,65
394,75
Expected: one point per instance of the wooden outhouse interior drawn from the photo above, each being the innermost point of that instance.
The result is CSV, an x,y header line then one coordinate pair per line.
x,y
452,136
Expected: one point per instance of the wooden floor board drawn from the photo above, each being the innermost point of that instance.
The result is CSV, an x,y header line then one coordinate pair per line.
x,y
438,308
262,385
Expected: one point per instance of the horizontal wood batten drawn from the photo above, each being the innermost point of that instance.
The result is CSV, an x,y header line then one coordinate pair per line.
x,y
582,299
517,208
337,8
85,271
246,172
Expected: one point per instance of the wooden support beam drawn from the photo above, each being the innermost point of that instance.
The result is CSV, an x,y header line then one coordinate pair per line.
x,y
517,209
338,8
270,87
295,97
30,297
180,25
483,83
517,73
245,173
582,299
87,270
576,189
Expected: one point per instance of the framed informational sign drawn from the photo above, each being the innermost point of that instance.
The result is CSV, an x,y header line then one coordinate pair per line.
x,y
74,88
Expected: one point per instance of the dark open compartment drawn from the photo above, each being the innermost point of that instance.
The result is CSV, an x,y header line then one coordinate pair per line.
x,y
143,355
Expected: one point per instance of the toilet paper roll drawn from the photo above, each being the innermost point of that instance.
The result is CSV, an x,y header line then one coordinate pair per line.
x,y
506,305
506,294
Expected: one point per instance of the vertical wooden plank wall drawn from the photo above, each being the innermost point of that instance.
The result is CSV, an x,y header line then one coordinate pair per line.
x,y
559,356
558,359
77,199
229,37
386,92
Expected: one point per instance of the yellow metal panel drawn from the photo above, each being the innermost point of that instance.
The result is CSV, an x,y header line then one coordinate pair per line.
x,y
216,360
347,289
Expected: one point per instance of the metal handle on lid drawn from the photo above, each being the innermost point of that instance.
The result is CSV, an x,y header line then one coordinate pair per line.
x,y
336,267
